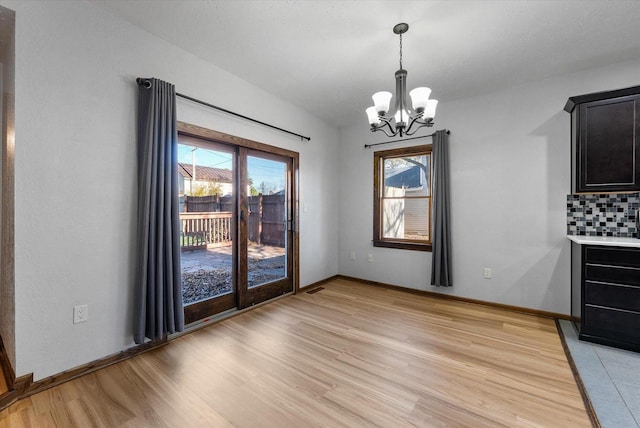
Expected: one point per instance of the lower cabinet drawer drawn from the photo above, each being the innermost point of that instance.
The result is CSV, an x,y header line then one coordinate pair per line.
x,y
615,256
617,274
612,324
612,295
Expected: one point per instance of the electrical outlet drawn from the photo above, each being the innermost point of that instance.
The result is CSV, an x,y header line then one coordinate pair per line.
x,y
352,256
370,258
487,273
80,314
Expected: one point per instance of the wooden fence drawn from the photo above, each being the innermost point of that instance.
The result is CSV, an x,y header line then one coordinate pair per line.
x,y
202,230
205,204
205,229
266,220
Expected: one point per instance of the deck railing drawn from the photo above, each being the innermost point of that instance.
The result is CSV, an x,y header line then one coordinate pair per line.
x,y
202,230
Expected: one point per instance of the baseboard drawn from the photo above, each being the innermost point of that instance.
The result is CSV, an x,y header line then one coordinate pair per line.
x,y
25,386
8,398
546,314
319,283
576,375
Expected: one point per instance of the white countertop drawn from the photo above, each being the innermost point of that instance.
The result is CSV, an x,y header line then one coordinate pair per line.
x,y
605,240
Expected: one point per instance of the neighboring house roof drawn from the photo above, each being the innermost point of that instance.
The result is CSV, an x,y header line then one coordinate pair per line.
x,y
404,177
205,173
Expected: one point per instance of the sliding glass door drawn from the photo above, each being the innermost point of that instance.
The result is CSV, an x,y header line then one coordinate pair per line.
x,y
237,216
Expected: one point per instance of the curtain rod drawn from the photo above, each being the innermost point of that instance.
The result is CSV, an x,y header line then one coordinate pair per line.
x,y
366,146
145,82
186,97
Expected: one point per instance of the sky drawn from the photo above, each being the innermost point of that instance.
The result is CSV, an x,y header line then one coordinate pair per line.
x,y
270,172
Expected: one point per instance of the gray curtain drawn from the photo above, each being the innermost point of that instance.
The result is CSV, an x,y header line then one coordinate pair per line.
x,y
158,294
441,233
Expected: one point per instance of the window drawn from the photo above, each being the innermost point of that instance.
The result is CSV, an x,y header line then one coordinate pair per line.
x,y
402,198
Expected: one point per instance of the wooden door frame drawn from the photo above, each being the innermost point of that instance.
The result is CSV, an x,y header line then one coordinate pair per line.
x,y
228,139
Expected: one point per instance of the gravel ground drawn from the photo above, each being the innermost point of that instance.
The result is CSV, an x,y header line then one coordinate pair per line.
x,y
201,284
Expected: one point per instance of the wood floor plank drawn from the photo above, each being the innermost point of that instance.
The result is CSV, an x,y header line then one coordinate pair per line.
x,y
350,355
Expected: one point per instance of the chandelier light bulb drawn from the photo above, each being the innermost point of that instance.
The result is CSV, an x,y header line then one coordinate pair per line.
x,y
430,109
372,115
382,100
401,117
419,98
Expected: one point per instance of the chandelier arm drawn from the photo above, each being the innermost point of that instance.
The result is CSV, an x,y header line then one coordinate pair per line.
x,y
413,121
422,125
374,129
393,131
417,118
387,122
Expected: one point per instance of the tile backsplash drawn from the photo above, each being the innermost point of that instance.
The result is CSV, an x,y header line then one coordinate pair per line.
x,y
603,214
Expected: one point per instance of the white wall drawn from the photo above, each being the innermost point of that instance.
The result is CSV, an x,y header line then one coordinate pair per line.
x,y
510,174
75,172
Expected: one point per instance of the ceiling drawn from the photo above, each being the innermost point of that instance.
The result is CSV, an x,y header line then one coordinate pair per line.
x,y
328,57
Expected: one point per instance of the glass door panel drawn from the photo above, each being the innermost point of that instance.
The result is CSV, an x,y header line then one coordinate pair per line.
x,y
207,201
267,205
266,213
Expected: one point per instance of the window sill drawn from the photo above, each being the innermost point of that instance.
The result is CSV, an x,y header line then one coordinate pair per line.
x,y
401,245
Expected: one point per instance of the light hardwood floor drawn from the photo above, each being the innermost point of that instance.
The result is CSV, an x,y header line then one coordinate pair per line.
x,y
350,355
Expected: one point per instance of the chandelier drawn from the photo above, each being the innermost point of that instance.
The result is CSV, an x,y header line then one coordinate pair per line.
x,y
403,121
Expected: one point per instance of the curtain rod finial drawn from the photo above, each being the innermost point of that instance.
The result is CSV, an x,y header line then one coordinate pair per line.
x,y
146,83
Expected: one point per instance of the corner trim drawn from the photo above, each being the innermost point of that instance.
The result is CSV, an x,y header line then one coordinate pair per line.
x,y
7,368
22,383
576,375
529,311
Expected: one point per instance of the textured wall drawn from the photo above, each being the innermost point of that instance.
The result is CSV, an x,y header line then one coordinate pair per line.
x,y
76,66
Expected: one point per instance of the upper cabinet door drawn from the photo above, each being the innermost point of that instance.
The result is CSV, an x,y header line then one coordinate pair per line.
x,y
608,151
606,145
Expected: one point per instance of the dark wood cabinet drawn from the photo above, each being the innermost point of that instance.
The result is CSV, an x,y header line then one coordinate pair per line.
x,y
609,296
605,141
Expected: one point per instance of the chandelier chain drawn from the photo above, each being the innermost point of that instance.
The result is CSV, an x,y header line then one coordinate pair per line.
x,y
400,51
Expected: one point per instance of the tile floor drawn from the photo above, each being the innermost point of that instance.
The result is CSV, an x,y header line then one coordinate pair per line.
x,y
611,377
